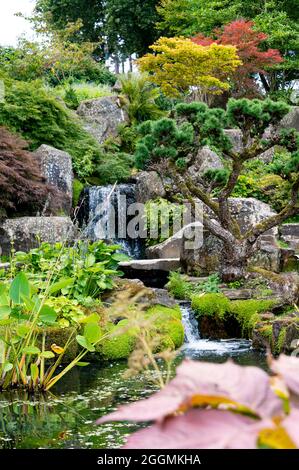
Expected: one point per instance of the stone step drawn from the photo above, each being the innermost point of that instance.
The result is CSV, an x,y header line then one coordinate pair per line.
x,y
162,264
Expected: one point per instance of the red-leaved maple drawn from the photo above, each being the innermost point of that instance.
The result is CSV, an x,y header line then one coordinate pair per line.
x,y
240,33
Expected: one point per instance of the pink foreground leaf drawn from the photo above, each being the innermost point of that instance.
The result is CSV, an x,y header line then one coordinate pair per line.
x,y
200,429
291,425
288,368
248,386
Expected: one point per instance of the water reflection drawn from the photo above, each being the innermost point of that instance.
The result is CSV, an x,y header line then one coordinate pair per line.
x,y
66,418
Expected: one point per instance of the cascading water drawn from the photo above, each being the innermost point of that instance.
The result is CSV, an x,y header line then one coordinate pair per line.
x,y
105,216
197,347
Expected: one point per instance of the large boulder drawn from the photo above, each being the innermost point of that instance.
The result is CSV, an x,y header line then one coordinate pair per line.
x,y
26,233
171,248
205,160
102,116
289,233
291,120
236,138
149,186
247,212
56,167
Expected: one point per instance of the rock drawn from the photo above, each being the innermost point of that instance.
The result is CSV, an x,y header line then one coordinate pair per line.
x,y
235,136
205,160
102,116
153,273
56,167
289,233
151,264
170,248
268,155
162,297
149,185
291,120
247,212
27,232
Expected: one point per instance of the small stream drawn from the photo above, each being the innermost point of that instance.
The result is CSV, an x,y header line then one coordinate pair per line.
x,y
67,418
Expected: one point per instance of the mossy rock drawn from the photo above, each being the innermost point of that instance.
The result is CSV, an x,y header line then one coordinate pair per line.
x,y
168,323
210,305
220,317
121,342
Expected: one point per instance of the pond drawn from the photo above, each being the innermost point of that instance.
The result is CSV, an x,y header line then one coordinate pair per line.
x,y
66,418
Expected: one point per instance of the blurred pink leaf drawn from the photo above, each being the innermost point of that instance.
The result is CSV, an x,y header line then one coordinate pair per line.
x,y
288,368
200,429
291,425
249,386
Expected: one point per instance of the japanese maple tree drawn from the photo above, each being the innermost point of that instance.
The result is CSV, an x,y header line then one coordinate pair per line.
x,y
249,44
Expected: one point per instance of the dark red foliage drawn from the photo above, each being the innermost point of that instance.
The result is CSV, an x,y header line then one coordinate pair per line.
x,y
23,191
240,33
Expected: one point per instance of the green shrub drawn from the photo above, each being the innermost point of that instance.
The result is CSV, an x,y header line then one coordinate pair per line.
x,y
40,118
114,167
179,287
77,190
74,93
139,98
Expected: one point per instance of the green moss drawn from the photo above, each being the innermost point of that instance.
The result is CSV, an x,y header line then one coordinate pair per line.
x,y
120,343
211,305
267,332
246,312
77,189
280,340
167,322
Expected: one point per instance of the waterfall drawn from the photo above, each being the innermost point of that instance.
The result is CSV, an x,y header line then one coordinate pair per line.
x,y
105,216
197,347
190,324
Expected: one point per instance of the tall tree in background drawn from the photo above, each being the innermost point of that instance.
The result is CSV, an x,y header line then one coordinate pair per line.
x,y
125,26
240,33
131,25
58,13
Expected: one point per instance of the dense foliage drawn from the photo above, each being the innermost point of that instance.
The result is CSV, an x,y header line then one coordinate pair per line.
x,y
23,189
240,33
178,64
40,118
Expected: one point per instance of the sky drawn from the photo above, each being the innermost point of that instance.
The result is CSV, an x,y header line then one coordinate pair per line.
x,y
11,27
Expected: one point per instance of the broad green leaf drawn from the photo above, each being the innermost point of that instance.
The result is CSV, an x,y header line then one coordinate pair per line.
x,y
92,332
93,318
62,284
22,330
7,366
47,355
90,260
82,364
85,343
19,289
34,372
120,257
5,311
47,315
31,350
